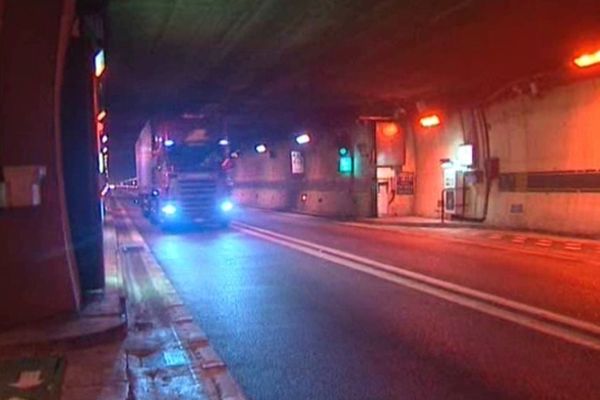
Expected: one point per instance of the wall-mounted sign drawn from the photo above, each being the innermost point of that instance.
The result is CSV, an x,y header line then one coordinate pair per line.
x,y
297,162
449,178
405,183
345,165
464,155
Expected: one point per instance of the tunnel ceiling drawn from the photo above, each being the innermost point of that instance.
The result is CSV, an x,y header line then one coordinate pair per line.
x,y
251,58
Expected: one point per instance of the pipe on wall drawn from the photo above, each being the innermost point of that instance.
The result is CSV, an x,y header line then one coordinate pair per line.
x,y
483,138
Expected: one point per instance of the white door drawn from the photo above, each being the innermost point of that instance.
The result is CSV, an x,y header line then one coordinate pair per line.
x,y
382,198
385,177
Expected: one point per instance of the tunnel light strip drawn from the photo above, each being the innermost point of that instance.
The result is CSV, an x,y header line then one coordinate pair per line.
x,y
569,329
587,60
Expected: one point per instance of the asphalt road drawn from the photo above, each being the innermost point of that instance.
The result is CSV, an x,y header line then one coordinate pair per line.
x,y
292,325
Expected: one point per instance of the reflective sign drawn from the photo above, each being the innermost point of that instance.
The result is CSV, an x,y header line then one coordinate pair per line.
x,y
297,162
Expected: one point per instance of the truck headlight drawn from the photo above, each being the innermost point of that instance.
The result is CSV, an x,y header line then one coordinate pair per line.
x,y
226,206
169,209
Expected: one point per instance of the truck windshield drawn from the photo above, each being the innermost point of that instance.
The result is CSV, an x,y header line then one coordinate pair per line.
x,y
195,158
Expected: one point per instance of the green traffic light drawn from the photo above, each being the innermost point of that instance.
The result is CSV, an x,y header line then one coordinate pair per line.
x,y
343,151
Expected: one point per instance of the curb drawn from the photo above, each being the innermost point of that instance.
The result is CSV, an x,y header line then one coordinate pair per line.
x,y
108,332
204,362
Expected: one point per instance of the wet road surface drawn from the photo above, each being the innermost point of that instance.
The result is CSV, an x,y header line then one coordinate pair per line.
x,y
292,325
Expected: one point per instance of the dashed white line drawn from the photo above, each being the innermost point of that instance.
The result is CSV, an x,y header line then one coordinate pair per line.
x,y
573,246
519,239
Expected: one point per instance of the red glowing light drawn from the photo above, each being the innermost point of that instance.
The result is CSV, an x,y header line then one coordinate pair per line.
x,y
430,121
587,60
100,128
390,129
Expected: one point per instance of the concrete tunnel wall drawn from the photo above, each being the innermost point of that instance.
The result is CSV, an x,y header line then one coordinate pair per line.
x,y
266,180
38,272
552,133
559,131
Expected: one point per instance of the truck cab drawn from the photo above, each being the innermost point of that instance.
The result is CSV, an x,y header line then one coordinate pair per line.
x,y
181,176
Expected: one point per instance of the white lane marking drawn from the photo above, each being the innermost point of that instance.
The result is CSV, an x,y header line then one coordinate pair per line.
x,y
544,243
519,239
573,246
569,329
496,236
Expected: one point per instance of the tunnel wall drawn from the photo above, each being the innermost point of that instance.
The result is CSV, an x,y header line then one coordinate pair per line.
x,y
266,180
432,145
403,203
38,273
555,135
549,157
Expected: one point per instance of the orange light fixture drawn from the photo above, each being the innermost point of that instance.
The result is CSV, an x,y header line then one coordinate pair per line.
x,y
587,60
101,115
430,121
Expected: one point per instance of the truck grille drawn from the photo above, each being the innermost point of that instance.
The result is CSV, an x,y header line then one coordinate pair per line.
x,y
197,197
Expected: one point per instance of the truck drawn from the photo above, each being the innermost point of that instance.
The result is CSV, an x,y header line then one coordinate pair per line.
x,y
182,174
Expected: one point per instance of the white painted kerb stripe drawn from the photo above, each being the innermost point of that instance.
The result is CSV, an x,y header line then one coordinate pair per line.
x,y
567,328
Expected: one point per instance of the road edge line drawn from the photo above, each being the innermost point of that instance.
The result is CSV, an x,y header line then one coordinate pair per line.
x,y
563,328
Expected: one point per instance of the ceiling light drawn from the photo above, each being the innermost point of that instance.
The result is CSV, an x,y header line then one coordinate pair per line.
x,y
587,60
303,139
430,121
